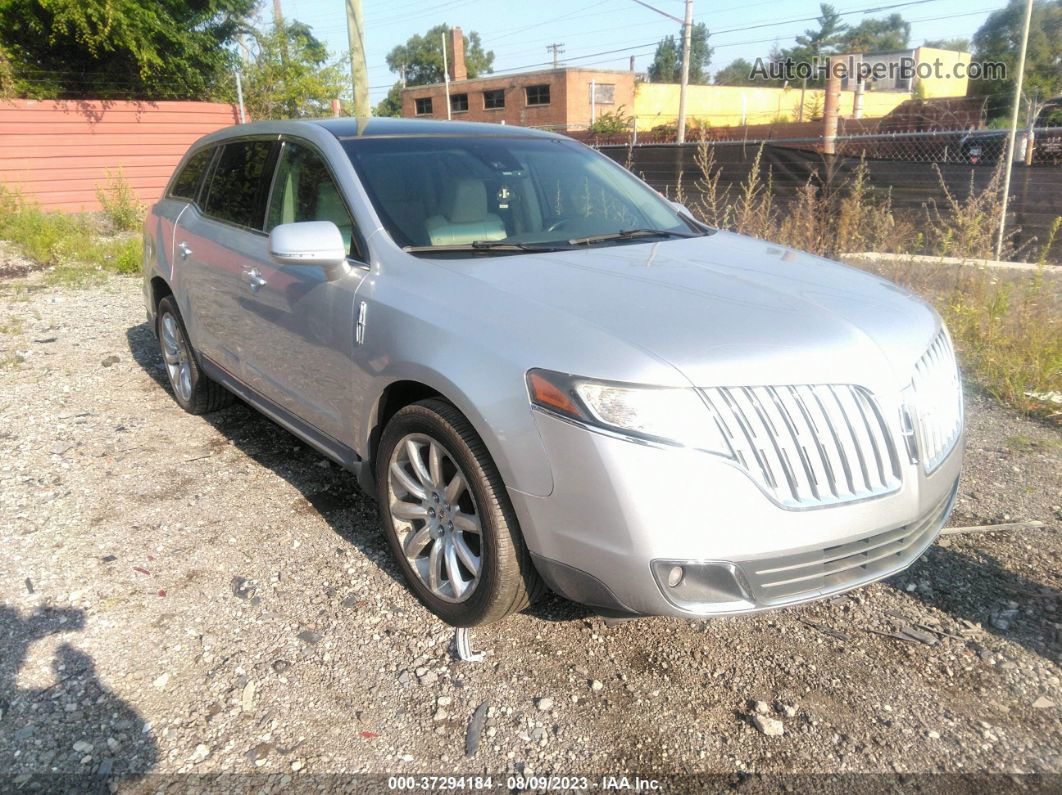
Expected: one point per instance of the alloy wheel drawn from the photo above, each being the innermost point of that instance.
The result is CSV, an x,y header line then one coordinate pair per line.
x,y
176,354
435,517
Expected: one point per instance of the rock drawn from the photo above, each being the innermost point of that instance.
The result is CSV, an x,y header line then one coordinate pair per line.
x,y
1043,703
309,637
786,709
258,753
444,701
110,360
161,682
596,685
545,704
760,707
247,700
297,765
428,678
933,735
440,714
475,729
82,747
768,726
201,752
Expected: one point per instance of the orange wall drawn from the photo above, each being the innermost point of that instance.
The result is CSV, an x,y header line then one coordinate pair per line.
x,y
58,151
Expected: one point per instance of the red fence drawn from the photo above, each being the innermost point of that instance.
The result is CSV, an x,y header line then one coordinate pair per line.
x,y
58,151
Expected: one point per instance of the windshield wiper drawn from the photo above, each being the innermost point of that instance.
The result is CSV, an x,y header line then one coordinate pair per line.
x,y
485,245
627,234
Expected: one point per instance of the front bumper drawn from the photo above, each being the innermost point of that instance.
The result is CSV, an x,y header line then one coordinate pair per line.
x,y
622,515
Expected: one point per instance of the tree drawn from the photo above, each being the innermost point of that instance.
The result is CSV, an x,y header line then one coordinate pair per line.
x,y
811,45
421,57
878,35
736,73
667,61
391,105
999,39
121,49
819,42
957,44
291,74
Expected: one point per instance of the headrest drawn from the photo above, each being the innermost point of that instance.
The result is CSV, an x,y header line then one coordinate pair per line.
x,y
466,201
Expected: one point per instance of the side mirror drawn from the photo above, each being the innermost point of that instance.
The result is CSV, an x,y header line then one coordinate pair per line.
x,y
308,243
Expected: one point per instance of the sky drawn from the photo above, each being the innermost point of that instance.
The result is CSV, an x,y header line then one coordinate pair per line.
x,y
591,30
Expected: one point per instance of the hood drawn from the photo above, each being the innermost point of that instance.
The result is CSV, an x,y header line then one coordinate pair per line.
x,y
728,310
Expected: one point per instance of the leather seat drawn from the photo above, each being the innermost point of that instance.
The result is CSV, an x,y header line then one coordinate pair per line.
x,y
464,217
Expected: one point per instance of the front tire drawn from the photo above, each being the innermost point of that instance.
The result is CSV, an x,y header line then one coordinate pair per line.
x,y
448,519
193,390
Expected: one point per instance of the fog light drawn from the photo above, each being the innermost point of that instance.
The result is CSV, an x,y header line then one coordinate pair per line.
x,y
674,577
703,586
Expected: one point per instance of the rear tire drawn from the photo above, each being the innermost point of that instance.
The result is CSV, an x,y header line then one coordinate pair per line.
x,y
193,390
448,518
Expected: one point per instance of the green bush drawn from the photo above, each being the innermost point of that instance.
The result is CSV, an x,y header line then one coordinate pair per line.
x,y
119,202
70,244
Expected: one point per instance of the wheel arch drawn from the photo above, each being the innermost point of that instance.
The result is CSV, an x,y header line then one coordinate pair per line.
x,y
517,463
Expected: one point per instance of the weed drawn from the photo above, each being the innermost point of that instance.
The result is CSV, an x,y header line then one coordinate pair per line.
x,y
120,203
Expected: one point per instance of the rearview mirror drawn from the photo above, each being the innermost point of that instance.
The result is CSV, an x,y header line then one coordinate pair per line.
x,y
308,243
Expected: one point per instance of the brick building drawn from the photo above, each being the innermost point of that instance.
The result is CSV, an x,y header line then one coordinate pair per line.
x,y
564,98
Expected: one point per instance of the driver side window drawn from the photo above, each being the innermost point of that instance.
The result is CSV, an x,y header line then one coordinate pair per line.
x,y
303,190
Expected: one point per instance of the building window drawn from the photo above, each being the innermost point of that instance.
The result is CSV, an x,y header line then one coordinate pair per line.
x,y
458,102
423,106
604,93
494,99
537,95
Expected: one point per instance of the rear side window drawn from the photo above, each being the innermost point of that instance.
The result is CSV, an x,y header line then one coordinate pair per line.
x,y
238,184
186,186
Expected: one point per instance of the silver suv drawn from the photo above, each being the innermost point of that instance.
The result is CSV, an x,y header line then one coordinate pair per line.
x,y
547,374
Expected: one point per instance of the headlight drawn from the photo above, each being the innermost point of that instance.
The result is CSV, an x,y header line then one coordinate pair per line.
x,y
667,415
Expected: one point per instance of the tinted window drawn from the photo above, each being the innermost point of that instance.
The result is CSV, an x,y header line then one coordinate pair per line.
x,y
238,184
494,99
423,106
186,186
459,102
305,191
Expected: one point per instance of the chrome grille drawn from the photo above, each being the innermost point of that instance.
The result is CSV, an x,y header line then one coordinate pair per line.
x,y
938,402
808,446
805,575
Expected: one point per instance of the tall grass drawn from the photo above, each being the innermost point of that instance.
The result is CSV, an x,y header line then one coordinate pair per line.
x,y
1007,326
70,245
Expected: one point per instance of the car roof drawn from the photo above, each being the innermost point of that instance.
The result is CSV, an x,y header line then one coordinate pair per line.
x,y
380,127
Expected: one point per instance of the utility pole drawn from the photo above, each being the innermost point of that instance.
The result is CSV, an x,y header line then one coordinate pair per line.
x,y
239,97
687,33
557,50
1013,127
359,79
446,78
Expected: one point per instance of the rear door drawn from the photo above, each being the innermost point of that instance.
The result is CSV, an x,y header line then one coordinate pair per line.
x,y
219,241
301,323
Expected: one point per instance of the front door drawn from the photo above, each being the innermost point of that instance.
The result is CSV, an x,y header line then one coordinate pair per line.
x,y
301,324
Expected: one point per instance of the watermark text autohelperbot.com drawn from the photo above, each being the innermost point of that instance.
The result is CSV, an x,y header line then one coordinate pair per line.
x,y
902,69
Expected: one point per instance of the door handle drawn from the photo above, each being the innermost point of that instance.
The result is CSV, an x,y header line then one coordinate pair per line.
x,y
183,249
254,279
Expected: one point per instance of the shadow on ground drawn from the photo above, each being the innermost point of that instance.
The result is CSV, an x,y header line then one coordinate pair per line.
x,y
973,585
73,734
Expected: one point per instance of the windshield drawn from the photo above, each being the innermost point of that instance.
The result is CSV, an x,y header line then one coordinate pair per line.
x,y
507,194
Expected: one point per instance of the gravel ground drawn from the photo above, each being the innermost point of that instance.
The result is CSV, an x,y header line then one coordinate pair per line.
x,y
184,594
